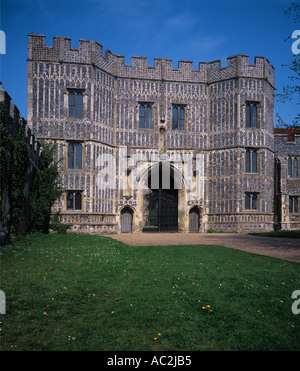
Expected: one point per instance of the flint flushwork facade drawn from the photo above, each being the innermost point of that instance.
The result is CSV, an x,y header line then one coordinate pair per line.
x,y
120,128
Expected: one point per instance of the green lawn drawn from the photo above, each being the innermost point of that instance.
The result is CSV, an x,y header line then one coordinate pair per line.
x,y
71,292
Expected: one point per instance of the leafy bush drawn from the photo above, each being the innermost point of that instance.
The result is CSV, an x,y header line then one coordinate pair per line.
x,y
45,189
57,226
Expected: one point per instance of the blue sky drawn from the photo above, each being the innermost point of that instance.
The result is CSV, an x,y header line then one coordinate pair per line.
x,y
181,30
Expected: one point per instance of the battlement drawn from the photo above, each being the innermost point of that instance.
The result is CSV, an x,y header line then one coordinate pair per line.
x,y
91,52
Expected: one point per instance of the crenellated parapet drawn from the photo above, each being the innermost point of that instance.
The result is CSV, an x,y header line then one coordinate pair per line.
x,y
91,52
88,52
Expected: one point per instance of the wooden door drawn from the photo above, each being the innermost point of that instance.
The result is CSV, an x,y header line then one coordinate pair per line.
x,y
194,220
126,221
163,210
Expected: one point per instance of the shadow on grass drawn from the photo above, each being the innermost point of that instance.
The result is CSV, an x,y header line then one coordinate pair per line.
x,y
281,234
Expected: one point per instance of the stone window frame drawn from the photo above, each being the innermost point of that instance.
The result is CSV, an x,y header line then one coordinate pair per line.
x,y
74,193
76,142
291,173
251,150
145,104
252,103
293,204
178,106
257,197
84,103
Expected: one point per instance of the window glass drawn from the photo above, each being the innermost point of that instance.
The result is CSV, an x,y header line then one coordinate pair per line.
x,y
254,161
148,117
72,104
175,118
247,202
181,118
79,156
295,172
78,201
291,204
251,115
248,170
254,116
248,116
142,117
70,201
254,199
289,166
79,105
71,156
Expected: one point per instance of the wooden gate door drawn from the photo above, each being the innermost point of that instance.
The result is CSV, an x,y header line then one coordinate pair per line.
x,y
126,221
163,210
194,220
168,210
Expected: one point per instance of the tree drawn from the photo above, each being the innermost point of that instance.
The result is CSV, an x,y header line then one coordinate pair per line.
x,y
45,189
292,90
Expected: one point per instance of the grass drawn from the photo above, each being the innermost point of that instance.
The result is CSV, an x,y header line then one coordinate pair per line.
x,y
280,233
72,292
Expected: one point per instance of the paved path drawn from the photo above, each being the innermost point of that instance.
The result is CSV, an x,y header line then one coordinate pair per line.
x,y
281,248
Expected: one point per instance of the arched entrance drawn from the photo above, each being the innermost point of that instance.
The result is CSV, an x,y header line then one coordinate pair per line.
x,y
161,200
126,220
194,220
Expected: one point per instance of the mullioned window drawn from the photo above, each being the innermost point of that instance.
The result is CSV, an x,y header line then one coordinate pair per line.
x,y
75,104
178,117
251,115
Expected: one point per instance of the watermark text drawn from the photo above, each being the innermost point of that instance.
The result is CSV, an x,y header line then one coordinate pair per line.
x,y
296,43
2,42
2,302
296,303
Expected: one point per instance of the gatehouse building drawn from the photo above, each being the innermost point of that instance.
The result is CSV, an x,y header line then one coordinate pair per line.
x,y
157,148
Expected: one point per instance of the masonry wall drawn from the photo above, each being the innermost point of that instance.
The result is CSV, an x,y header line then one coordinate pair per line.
x,y
11,118
287,144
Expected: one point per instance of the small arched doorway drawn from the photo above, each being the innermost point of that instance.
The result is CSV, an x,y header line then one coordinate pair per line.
x,y
194,220
126,220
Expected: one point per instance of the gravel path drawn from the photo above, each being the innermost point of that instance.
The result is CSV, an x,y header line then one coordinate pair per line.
x,y
281,248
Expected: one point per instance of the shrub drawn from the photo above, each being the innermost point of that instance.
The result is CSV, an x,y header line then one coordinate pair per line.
x,y
45,190
57,226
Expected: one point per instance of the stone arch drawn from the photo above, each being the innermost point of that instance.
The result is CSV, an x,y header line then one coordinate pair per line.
x,y
178,176
177,184
126,219
202,217
194,219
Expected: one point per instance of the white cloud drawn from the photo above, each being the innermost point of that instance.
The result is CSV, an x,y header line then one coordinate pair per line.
x,y
180,20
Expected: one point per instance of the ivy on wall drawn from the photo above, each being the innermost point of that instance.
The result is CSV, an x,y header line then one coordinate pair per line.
x,y
4,146
19,166
28,188
45,189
